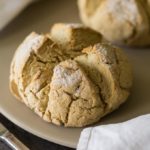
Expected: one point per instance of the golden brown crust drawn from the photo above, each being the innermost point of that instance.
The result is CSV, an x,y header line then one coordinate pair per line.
x,y
75,92
74,37
19,60
73,99
31,70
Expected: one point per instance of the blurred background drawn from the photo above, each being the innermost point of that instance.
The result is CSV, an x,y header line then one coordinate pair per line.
x,y
36,15
20,17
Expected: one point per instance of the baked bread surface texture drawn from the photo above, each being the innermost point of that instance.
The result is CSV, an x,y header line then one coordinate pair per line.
x,y
73,99
66,85
31,70
109,69
74,36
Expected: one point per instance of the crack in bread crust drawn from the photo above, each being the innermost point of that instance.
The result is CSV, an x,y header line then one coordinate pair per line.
x,y
115,80
39,80
36,70
73,37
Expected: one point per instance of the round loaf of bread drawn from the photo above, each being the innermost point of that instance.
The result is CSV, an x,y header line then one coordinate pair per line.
x,y
119,21
72,92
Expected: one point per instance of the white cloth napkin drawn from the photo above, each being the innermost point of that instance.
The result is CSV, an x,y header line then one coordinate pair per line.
x,y
9,9
130,135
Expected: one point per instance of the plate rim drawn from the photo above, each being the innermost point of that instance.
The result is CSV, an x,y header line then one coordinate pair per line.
x,y
20,124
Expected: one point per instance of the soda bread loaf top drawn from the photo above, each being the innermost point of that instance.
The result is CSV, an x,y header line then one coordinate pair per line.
x,y
66,85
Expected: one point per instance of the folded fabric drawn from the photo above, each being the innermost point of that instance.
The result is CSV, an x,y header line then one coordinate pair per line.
x,y
9,9
130,135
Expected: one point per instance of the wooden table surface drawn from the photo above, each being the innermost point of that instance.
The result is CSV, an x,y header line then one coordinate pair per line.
x,y
31,141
